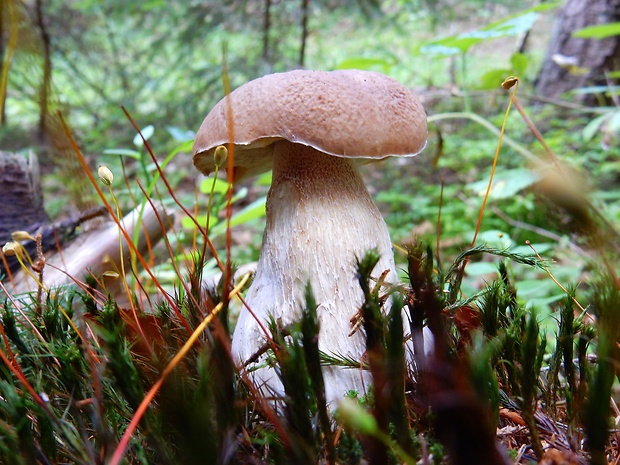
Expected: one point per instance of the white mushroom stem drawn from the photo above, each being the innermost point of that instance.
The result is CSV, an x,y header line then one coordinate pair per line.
x,y
320,219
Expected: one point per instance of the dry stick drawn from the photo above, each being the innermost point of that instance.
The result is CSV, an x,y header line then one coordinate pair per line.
x,y
122,445
266,29
130,244
39,266
538,230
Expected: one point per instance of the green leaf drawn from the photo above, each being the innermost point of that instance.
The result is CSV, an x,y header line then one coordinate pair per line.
x,y
449,46
519,63
123,152
221,187
608,90
506,183
600,31
188,223
253,211
356,417
481,268
147,132
613,125
511,26
381,64
593,127
527,251
265,179
495,238
179,134
493,79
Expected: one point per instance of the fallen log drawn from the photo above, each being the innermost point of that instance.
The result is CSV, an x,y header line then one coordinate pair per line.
x,y
62,257
97,252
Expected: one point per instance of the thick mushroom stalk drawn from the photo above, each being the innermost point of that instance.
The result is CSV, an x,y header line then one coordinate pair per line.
x,y
312,128
320,219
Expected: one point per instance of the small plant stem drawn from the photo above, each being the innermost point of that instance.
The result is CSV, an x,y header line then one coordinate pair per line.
x,y
26,269
537,134
40,266
5,263
173,262
538,230
210,203
493,167
13,23
130,243
122,445
461,271
465,87
120,249
546,268
439,223
145,171
230,169
19,310
209,206
396,448
13,366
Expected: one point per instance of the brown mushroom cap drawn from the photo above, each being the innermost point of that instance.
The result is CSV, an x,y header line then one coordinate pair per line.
x,y
349,113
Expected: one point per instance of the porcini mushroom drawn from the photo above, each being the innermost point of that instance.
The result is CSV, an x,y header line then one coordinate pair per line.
x,y
313,128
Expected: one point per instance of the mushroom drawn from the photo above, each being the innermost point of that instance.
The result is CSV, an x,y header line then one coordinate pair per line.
x,y
313,128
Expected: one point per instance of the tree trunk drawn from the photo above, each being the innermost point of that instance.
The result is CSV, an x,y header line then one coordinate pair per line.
x,y
574,62
44,90
20,190
3,29
266,30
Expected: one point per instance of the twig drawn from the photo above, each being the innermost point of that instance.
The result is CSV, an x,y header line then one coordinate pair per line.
x,y
538,230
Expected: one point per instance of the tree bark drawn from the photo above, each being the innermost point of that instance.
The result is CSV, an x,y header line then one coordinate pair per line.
x,y
266,30
44,90
589,59
3,16
304,31
20,191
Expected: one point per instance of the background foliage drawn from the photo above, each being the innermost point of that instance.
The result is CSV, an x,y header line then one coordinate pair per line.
x,y
163,61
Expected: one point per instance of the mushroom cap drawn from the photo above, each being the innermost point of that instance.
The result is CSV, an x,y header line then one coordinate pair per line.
x,y
347,113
